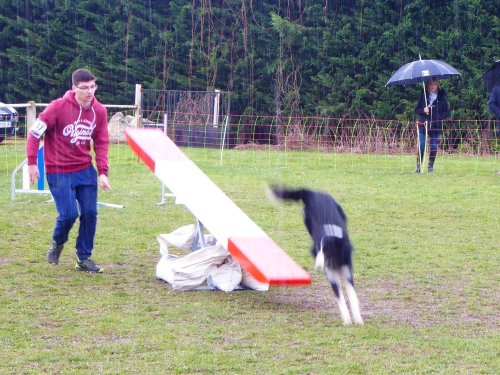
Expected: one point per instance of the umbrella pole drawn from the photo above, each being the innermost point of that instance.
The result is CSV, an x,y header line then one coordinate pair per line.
x,y
418,149
422,157
422,169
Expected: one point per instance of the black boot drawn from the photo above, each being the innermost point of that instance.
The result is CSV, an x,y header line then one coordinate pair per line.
x,y
54,253
430,167
417,169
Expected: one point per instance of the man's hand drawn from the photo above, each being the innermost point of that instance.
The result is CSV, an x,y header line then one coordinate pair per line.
x,y
33,173
104,182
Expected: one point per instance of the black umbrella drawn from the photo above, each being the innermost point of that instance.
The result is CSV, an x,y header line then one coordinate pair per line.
x,y
492,76
421,71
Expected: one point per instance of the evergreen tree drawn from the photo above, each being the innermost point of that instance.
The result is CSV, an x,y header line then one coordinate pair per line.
x,y
296,57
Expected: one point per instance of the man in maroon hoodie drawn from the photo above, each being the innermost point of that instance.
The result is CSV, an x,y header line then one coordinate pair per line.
x,y
70,126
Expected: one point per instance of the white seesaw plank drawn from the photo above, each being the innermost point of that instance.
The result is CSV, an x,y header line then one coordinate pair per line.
x,y
240,235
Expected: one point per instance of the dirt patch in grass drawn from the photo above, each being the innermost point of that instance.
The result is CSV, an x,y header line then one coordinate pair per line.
x,y
4,261
397,302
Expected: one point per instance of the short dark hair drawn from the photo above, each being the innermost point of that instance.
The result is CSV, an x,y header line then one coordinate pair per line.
x,y
82,75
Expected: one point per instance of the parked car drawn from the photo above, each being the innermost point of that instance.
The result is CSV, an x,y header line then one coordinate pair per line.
x,y
8,122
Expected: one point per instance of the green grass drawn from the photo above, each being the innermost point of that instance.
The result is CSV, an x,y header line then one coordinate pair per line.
x,y
426,267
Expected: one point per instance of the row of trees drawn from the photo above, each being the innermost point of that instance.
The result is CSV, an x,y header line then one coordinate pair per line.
x,y
294,57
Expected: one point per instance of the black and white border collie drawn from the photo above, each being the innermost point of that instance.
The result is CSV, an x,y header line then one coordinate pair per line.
x,y
326,223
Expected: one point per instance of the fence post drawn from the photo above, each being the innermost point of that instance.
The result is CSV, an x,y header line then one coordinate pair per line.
x,y
30,114
215,119
138,101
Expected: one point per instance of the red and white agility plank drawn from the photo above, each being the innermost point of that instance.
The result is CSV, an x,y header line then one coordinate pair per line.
x,y
257,253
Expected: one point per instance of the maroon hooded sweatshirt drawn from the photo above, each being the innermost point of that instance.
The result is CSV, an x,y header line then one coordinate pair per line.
x,y
67,140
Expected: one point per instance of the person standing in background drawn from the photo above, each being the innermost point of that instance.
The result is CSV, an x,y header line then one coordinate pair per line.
x,y
494,106
71,126
431,110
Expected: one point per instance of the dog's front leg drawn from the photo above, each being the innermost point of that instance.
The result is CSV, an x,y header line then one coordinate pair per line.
x,y
351,294
334,279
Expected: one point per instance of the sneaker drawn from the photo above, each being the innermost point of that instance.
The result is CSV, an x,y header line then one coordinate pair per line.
x,y
88,265
430,169
417,170
54,253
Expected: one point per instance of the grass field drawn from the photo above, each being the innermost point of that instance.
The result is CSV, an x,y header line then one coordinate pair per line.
x,y
426,267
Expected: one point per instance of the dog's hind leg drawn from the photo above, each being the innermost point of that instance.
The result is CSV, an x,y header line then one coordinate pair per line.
x,y
334,279
351,294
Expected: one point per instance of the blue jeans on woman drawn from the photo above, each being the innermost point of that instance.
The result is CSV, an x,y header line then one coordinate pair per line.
x,y
434,138
75,194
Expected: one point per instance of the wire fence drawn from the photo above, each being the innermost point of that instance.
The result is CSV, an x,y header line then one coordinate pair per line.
x,y
320,134
276,141
339,135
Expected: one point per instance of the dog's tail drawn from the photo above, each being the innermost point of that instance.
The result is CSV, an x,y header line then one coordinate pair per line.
x,y
275,193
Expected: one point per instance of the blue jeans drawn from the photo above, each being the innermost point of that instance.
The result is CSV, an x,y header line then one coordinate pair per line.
x,y
434,138
75,194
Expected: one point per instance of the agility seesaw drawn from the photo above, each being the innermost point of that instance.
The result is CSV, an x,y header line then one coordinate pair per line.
x,y
256,252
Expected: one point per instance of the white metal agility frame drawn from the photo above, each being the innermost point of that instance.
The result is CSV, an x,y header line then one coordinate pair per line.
x,y
25,179
40,184
31,116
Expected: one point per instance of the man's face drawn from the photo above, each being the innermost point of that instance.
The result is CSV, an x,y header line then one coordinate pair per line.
x,y
85,91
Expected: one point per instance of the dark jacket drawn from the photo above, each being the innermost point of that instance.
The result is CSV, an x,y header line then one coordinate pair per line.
x,y
494,102
439,110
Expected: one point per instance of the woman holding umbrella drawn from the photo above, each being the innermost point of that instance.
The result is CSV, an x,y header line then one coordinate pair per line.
x,y
432,109
432,106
